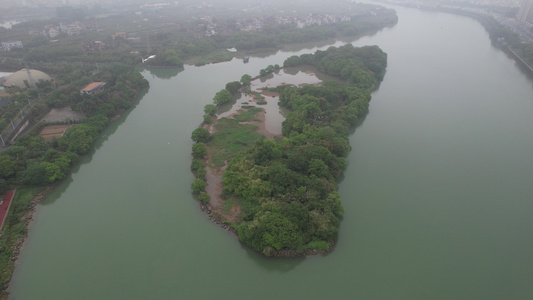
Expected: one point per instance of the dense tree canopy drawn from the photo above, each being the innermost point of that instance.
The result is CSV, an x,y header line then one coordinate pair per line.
x,y
200,135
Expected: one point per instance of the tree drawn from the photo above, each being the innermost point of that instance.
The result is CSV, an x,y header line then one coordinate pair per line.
x,y
223,96
198,185
210,109
3,186
197,165
200,135
35,174
233,87
8,166
204,197
246,79
199,151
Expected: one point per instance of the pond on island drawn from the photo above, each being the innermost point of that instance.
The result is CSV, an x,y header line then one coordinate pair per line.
x,y
260,97
437,194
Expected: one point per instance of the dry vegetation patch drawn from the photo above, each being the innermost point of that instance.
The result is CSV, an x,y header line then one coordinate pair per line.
x,y
53,131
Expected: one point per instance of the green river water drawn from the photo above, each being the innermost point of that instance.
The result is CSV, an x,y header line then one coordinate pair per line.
x,y
438,194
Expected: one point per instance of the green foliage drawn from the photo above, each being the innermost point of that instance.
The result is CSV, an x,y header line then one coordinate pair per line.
x,y
35,175
200,135
233,87
246,79
4,187
208,119
210,109
198,185
8,166
166,57
221,97
199,151
247,114
14,229
230,138
204,197
197,165
318,245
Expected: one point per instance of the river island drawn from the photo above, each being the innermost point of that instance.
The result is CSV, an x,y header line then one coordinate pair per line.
x,y
278,193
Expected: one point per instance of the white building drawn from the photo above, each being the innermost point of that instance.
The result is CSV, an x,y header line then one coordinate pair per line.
x,y
525,14
7,46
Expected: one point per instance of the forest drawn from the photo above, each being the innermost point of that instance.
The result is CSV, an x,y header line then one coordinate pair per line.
x,y
287,187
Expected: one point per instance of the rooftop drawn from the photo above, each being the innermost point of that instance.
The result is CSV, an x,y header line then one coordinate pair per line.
x,y
92,86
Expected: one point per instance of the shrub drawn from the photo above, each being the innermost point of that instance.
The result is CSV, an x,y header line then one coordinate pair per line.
x,y
198,185
204,197
199,151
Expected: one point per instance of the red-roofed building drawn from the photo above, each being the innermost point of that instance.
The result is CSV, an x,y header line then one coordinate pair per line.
x,y
93,88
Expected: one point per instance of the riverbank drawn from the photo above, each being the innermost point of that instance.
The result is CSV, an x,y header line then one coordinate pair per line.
x,y
17,233
22,211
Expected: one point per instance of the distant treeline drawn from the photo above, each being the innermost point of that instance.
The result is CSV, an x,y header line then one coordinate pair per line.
x,y
173,46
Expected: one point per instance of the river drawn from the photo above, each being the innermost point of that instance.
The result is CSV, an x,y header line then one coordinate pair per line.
x,y
437,195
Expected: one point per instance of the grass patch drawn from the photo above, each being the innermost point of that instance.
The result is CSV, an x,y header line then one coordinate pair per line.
x,y
227,205
318,245
216,56
230,138
13,230
247,114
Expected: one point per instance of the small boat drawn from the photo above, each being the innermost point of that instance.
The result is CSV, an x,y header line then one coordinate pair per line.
x,y
246,59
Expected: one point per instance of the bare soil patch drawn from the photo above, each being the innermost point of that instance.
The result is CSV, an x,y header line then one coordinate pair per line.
x,y
53,131
269,93
65,114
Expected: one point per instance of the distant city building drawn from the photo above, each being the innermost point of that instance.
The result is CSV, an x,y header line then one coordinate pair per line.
x,y
120,35
71,29
7,46
92,46
53,32
525,14
93,88
134,39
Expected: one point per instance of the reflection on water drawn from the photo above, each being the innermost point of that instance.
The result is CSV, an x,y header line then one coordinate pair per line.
x,y
163,73
279,265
